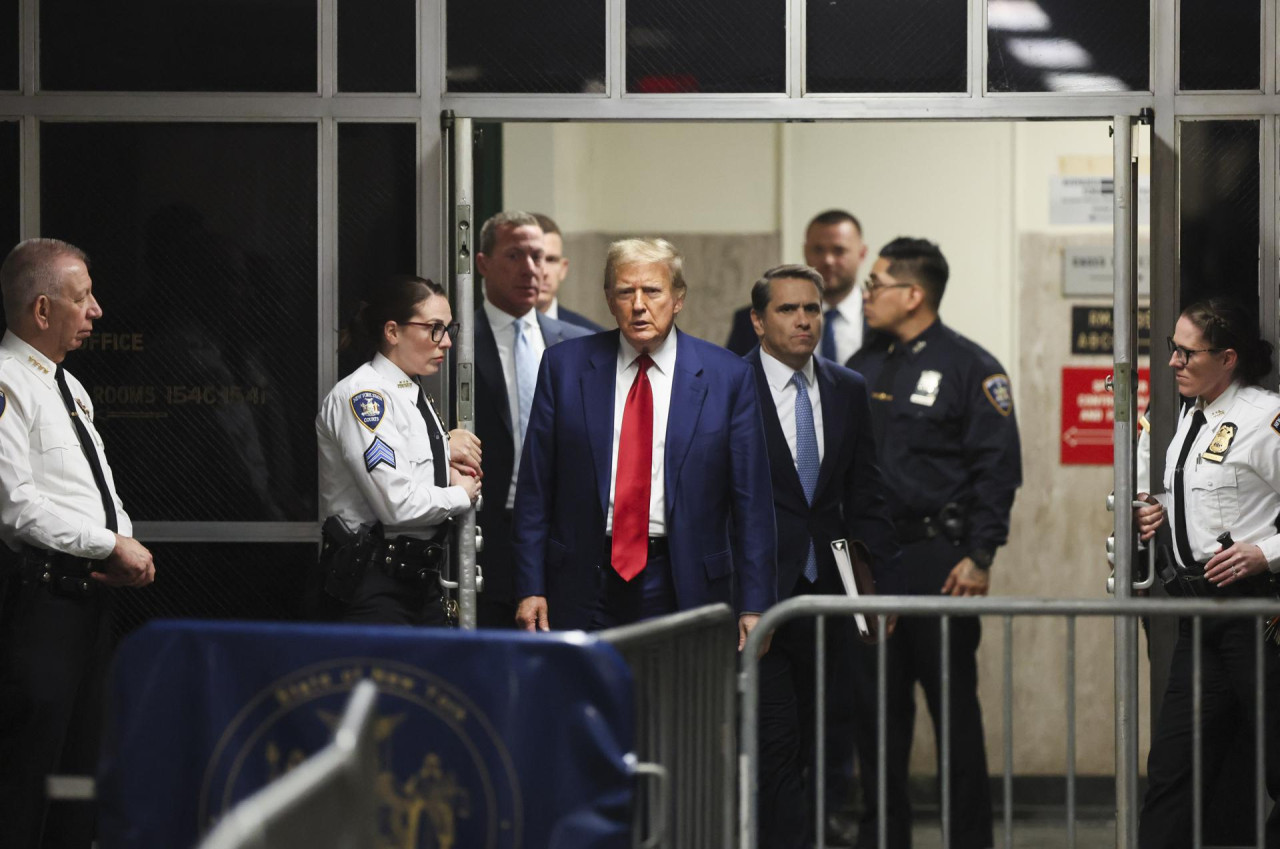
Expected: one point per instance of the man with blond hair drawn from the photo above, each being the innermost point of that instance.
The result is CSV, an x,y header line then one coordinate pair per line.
x,y
643,487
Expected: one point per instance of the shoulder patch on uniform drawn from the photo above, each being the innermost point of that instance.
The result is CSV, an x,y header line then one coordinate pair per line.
x,y
999,392
378,453
4,402
369,407
1275,423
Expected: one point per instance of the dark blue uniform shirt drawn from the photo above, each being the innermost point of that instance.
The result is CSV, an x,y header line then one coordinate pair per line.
x,y
942,411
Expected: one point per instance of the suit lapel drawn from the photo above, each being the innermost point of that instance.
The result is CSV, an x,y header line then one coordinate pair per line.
x,y
774,437
489,366
598,382
688,391
835,413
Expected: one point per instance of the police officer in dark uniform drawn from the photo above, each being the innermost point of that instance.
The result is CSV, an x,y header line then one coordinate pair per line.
x,y
942,412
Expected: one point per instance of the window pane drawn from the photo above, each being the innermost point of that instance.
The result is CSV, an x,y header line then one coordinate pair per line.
x,y
709,46
908,46
517,46
1220,45
211,45
1068,45
1218,188
219,581
10,189
377,46
377,212
203,369
10,36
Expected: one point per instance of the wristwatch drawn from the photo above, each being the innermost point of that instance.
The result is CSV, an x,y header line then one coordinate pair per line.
x,y
982,558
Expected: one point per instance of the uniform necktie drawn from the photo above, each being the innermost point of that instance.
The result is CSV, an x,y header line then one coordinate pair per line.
x,y
439,457
806,458
829,333
526,363
634,477
1185,552
90,451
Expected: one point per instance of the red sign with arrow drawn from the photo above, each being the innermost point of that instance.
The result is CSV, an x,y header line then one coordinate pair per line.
x,y
1088,415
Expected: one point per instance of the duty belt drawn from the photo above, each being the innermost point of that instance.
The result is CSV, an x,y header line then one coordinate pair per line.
x,y
412,559
62,574
949,522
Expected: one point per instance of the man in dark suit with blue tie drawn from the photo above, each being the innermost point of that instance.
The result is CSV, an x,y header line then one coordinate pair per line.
x,y
833,246
642,474
826,486
511,336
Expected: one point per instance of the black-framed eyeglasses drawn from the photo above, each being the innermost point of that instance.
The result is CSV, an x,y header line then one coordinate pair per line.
x,y
871,288
1184,355
437,329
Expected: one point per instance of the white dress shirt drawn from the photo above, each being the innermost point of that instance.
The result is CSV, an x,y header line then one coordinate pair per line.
x,y
400,492
48,497
504,333
553,311
783,390
847,326
660,374
1242,493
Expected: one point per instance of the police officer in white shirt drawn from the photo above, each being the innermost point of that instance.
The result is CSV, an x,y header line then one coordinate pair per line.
x,y
66,540
1222,476
387,483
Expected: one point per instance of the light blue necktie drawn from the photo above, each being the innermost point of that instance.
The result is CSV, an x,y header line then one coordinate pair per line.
x,y
806,458
829,334
526,375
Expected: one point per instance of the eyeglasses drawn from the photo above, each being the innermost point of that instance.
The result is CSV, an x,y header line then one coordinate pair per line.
x,y
1183,355
436,329
871,288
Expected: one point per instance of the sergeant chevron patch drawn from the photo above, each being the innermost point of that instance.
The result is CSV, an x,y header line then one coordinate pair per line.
x,y
378,452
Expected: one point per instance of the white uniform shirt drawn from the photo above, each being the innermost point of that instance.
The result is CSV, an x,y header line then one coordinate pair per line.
x,y
660,375
47,494
779,377
375,455
503,327
846,323
1241,494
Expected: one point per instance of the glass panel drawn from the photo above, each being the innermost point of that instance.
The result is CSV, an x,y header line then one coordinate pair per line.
x,y
377,46
1068,45
915,46
10,189
219,581
203,369
710,46
1218,185
10,38
1220,45
377,212
212,45
517,46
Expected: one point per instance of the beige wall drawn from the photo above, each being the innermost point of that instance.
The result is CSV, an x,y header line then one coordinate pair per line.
x,y
736,197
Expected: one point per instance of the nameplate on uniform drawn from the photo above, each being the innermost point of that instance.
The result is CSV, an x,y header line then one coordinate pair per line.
x,y
1221,443
369,408
926,391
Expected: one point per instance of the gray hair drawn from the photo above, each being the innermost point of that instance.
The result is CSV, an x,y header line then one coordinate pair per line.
x,y
644,252
29,272
511,218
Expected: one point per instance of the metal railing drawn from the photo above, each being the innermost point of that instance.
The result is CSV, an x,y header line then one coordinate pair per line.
x,y
683,667
1009,608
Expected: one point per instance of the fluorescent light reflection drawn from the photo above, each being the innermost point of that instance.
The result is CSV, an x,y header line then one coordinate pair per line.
x,y
1016,16
1061,54
1084,82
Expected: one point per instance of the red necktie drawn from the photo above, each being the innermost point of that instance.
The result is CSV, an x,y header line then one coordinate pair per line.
x,y
635,471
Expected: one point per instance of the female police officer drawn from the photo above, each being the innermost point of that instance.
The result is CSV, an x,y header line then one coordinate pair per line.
x,y
386,482
1222,475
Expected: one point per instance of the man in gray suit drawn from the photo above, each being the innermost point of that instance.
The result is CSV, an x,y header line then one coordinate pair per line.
x,y
511,336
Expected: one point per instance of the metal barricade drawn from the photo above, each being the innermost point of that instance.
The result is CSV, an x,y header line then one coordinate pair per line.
x,y
1008,608
683,667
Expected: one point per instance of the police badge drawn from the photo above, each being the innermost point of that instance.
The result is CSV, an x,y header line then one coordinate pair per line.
x,y
1221,443
926,391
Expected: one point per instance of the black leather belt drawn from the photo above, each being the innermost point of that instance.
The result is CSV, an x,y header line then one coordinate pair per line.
x,y
657,546
412,559
916,530
62,574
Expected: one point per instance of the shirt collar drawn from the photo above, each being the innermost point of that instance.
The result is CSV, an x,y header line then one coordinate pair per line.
x,y
918,344
499,320
851,307
1220,404
664,356
553,311
36,362
779,374
393,372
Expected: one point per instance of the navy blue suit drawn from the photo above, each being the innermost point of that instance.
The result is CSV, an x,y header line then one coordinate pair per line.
x,y
577,319
848,503
718,496
496,605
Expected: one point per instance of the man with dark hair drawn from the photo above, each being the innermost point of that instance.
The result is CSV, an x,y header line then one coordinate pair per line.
x,y
555,268
825,487
833,245
511,336
66,541
943,420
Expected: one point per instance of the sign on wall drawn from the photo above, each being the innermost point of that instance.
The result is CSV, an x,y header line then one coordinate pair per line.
x,y
1088,414
1091,200
1093,330
1088,270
